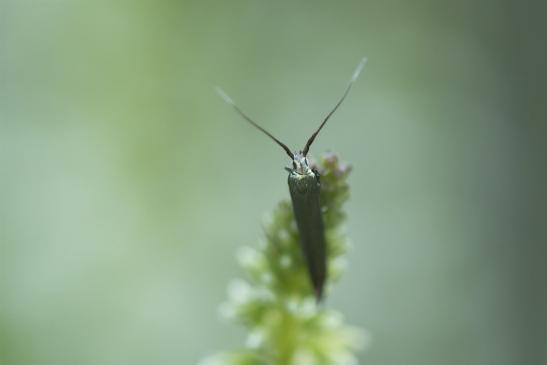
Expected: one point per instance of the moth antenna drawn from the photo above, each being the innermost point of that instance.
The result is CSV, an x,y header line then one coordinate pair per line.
x,y
229,101
354,77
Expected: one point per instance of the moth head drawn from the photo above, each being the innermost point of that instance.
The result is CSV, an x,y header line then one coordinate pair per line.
x,y
300,164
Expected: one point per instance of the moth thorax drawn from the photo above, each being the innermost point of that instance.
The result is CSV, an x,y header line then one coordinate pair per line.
x,y
301,164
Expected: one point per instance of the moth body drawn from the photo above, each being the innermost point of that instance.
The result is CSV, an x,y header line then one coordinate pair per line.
x,y
305,188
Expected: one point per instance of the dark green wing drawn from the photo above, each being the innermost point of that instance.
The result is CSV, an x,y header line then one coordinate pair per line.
x,y
309,220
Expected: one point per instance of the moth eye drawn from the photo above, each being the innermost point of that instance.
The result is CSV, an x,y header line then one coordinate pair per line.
x,y
294,165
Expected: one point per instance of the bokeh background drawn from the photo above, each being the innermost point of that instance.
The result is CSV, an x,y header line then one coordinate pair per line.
x,y
127,185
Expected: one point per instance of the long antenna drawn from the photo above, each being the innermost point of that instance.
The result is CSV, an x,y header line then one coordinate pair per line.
x,y
356,73
229,101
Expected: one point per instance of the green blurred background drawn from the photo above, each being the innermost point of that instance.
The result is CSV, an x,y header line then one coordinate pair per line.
x,y
127,185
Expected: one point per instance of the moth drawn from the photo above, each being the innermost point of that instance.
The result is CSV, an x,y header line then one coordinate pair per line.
x,y
305,187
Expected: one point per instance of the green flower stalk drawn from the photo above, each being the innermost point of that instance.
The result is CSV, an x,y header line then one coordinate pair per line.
x,y
277,303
